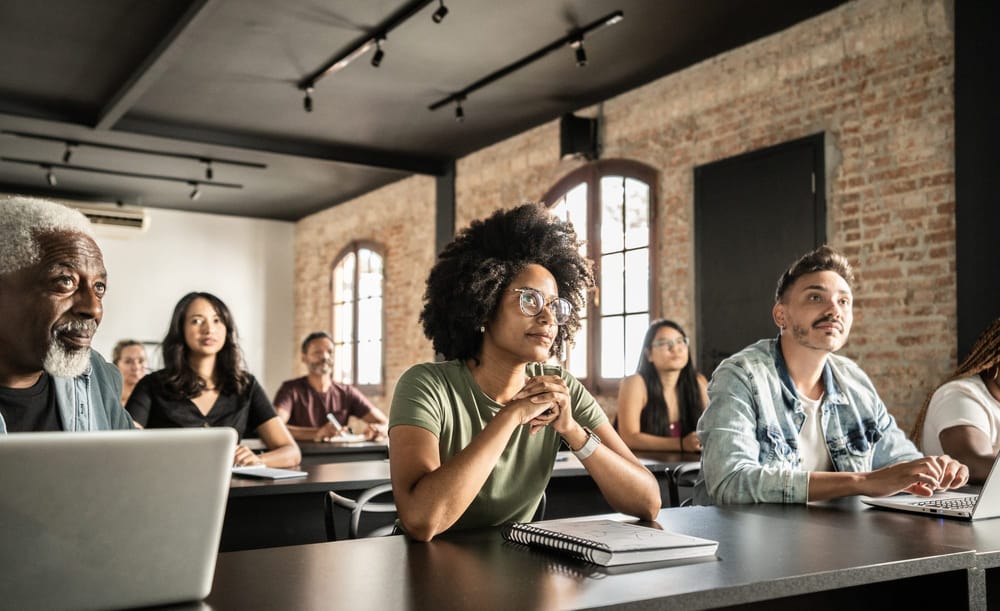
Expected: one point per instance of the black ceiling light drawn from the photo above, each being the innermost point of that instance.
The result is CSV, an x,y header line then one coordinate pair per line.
x,y
581,53
440,13
69,152
459,113
379,53
195,192
49,176
574,39
360,46
208,169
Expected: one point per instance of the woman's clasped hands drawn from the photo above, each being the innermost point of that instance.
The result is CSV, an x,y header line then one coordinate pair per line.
x,y
544,400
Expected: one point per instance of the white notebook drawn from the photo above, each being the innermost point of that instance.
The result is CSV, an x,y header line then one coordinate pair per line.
x,y
609,542
266,472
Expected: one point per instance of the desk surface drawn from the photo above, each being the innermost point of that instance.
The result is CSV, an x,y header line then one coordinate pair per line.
x,y
817,553
358,475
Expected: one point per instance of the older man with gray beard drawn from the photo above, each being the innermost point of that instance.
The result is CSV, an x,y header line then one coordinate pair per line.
x,y
52,282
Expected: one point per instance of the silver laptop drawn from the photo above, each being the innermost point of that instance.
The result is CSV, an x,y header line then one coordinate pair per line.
x,y
115,519
960,505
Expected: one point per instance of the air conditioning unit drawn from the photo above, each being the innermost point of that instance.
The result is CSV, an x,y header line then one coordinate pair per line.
x,y
119,217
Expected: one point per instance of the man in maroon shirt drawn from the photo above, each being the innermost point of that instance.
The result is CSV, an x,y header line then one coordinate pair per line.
x,y
316,408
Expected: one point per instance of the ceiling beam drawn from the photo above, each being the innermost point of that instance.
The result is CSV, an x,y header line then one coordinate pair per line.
x,y
147,72
366,157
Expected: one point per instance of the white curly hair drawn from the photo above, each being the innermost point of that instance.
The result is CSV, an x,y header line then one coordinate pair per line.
x,y
23,219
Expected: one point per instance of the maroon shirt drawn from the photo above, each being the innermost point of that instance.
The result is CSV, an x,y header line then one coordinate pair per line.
x,y
309,407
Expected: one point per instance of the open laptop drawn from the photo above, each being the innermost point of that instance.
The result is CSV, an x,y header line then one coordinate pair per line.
x,y
961,505
111,519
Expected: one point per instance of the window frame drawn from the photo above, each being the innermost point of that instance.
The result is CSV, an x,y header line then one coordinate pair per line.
x,y
353,248
591,174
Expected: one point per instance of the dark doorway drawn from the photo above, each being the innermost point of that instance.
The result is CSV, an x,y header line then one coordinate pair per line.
x,y
754,215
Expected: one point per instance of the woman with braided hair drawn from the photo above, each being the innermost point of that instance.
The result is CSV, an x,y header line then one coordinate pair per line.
x,y
473,438
962,417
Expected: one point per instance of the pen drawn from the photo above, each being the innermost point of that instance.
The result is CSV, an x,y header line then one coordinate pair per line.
x,y
333,421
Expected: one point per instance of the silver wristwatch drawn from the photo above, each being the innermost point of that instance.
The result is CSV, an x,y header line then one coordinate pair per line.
x,y
588,446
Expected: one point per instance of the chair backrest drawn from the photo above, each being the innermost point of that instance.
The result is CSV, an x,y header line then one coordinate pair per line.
x,y
683,475
365,503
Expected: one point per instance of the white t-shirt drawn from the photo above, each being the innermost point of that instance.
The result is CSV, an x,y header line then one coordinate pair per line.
x,y
812,442
964,402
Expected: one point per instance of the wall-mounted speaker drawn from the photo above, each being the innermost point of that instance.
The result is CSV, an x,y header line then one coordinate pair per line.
x,y
578,137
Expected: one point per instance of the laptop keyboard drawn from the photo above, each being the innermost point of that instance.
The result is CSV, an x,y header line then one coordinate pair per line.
x,y
965,502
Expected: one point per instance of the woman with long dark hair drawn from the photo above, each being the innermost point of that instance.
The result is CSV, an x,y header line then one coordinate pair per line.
x,y
203,383
659,405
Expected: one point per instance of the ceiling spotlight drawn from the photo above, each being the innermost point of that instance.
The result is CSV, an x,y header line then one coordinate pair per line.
x,y
581,54
49,176
307,102
379,53
459,113
195,192
68,154
441,13
208,169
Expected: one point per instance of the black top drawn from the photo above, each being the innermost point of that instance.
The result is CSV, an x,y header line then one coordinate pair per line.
x,y
30,409
154,407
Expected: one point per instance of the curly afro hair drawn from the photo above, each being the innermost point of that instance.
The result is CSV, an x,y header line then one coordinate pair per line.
x,y
465,285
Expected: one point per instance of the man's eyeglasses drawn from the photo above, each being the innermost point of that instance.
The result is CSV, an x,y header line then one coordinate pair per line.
x,y
532,302
670,343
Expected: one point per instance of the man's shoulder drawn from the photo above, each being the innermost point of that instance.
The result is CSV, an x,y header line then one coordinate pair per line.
x,y
761,352
294,383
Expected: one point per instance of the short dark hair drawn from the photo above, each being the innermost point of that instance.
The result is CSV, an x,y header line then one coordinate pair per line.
x,y
823,259
465,285
314,336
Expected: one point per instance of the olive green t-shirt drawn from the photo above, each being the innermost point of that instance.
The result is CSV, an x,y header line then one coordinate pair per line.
x,y
445,399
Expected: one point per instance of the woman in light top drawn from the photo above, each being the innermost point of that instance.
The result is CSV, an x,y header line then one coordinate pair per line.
x,y
203,383
659,405
129,356
961,418
473,439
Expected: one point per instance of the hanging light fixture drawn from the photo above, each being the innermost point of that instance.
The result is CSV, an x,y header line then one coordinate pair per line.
x,y
69,152
379,53
459,113
440,13
307,102
581,53
195,192
49,176
208,169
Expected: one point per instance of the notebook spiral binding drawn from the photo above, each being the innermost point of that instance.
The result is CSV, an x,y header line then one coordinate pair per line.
x,y
539,537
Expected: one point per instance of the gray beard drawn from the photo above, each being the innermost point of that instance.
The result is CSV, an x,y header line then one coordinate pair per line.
x,y
63,363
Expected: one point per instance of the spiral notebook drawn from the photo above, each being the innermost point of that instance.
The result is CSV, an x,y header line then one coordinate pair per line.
x,y
609,542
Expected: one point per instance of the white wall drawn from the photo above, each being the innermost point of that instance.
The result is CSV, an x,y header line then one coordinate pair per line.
x,y
247,263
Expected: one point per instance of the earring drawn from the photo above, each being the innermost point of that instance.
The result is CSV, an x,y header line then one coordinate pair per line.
x,y
482,328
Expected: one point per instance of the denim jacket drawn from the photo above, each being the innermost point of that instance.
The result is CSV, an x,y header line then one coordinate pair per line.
x,y
90,401
750,430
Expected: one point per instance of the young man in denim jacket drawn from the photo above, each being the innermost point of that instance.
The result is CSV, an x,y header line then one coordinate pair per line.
x,y
790,422
52,282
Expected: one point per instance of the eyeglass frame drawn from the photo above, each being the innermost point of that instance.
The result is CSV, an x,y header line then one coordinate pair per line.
x,y
541,299
670,343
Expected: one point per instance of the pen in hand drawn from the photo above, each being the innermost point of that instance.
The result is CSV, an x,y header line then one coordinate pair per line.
x,y
330,417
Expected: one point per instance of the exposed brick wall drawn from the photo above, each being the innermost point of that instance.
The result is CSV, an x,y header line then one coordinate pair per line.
x,y
875,76
400,218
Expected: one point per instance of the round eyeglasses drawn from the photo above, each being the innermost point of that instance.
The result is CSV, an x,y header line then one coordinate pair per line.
x,y
532,302
669,344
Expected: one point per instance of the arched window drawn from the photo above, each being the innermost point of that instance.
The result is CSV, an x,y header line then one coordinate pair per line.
x,y
612,206
356,283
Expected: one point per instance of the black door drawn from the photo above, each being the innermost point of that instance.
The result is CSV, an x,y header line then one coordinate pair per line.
x,y
754,215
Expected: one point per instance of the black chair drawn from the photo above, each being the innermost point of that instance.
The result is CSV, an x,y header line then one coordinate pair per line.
x,y
683,475
358,508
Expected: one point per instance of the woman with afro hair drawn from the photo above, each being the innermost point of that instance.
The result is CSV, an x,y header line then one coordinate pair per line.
x,y
473,438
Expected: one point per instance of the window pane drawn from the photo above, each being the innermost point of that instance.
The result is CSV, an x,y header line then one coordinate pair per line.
x,y
636,213
343,323
370,319
612,205
637,280
612,284
572,207
343,279
612,347
635,330
578,353
370,274
370,362
342,364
